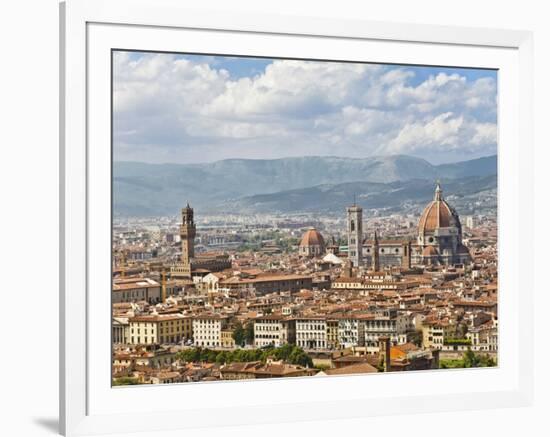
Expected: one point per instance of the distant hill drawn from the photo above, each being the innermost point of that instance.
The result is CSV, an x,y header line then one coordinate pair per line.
x,y
475,167
157,189
336,197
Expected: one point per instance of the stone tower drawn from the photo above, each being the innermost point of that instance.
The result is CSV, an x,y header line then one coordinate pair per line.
x,y
187,234
355,234
406,259
375,253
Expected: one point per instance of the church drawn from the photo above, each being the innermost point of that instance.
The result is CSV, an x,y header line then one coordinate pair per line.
x,y
438,240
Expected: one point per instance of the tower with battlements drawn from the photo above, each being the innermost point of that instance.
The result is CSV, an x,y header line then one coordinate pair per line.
x,y
188,231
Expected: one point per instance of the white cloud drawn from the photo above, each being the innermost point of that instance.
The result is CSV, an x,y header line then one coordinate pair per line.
x,y
171,108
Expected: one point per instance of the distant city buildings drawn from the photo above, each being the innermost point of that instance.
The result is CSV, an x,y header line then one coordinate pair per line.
x,y
386,293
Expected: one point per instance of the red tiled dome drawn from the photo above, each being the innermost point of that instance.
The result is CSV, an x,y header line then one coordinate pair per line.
x,y
312,237
438,214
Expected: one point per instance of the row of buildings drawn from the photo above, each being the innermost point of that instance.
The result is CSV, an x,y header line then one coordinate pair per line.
x,y
478,330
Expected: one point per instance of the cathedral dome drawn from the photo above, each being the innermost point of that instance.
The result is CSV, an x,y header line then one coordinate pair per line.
x,y
312,244
437,214
312,237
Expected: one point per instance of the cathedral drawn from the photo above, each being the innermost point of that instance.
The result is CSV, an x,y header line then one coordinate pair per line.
x,y
438,240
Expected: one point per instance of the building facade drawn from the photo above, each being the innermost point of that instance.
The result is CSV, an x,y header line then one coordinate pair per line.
x,y
351,332
386,323
207,330
311,333
274,330
159,329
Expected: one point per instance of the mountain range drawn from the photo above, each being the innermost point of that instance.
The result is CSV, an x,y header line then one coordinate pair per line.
x,y
309,183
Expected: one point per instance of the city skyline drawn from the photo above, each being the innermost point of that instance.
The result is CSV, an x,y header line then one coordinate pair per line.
x,y
195,108
360,253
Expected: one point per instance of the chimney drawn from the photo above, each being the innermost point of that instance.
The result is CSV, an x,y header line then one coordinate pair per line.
x,y
384,346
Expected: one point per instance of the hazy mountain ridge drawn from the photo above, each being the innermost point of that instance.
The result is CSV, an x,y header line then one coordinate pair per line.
x,y
155,189
335,197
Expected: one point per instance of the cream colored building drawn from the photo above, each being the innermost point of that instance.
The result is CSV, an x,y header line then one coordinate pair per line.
x,y
273,330
207,330
160,329
311,333
351,332
136,290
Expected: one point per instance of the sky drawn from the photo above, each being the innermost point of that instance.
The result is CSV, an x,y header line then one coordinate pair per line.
x,y
174,108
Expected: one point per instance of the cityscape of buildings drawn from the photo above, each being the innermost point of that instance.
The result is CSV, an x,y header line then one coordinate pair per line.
x,y
231,296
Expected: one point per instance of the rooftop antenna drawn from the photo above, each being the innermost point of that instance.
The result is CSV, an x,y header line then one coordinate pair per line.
x,y
354,199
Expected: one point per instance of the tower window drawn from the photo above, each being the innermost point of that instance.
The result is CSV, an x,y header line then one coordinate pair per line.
x,y
352,226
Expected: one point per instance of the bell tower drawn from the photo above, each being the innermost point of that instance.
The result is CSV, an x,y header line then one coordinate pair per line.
x,y
355,234
187,234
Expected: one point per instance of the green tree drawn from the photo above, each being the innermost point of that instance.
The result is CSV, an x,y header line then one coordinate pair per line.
x,y
238,334
249,333
470,359
125,380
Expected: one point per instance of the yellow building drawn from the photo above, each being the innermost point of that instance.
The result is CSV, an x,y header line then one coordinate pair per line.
x,y
160,329
226,338
332,334
434,334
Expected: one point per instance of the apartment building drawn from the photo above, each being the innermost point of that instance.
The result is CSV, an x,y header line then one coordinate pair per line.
x,y
386,323
311,333
351,332
274,330
207,330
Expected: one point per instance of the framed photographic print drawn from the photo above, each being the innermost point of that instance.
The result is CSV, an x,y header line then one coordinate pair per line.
x,y
300,218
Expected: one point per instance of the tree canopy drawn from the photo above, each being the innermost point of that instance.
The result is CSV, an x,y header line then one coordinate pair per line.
x,y
288,353
469,359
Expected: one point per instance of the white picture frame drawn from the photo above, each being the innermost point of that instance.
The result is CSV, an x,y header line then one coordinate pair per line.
x,y
89,30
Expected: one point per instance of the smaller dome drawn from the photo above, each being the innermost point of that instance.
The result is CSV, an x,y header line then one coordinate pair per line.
x,y
430,251
312,237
